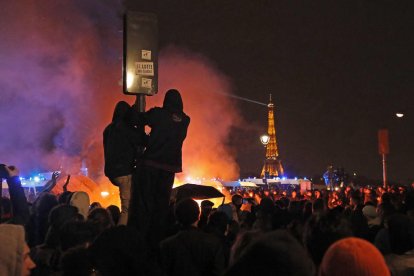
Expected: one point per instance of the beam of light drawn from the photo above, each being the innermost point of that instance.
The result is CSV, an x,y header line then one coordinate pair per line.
x,y
241,98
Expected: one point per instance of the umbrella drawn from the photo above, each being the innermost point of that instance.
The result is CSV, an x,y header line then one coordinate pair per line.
x,y
195,191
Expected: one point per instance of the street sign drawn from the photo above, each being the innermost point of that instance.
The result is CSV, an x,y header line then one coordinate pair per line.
x,y
383,146
140,64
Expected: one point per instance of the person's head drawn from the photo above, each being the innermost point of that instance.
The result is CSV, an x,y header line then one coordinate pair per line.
x,y
355,198
58,216
115,213
173,101
274,252
385,210
81,201
121,110
206,207
187,212
100,219
267,206
353,256
219,221
44,204
242,241
322,230
94,205
370,212
237,201
318,206
14,252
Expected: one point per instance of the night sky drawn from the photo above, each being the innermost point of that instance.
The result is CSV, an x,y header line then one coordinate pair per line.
x,y
337,70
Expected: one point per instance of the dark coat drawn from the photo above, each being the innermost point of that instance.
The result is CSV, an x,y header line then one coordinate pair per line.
x,y
168,130
121,141
192,252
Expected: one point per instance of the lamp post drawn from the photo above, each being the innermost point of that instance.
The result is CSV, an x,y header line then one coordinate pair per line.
x,y
264,139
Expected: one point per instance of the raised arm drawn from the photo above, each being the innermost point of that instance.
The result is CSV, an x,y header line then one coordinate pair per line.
x,y
18,199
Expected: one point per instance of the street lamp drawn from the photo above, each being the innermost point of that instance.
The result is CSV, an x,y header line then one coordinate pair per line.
x,y
265,139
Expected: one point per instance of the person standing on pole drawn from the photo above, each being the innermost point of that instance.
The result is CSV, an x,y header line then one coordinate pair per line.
x,y
121,144
162,158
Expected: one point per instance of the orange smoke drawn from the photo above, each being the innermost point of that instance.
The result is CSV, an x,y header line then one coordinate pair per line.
x,y
61,64
206,151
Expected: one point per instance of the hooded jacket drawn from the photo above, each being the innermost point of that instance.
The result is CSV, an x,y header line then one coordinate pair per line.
x,y
169,126
11,249
120,142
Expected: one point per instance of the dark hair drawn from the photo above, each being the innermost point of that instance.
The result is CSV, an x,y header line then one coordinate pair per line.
x,y
322,230
218,220
114,212
58,216
187,211
318,205
275,252
100,220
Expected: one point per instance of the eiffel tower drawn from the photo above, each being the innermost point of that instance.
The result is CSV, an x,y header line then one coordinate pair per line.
x,y
273,165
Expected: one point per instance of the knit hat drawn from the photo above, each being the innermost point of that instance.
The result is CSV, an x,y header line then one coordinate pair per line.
x,y
353,256
11,249
81,201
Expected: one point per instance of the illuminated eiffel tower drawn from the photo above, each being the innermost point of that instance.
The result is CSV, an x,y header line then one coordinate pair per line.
x,y
273,165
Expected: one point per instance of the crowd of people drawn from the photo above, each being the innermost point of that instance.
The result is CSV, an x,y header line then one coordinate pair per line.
x,y
347,231
267,231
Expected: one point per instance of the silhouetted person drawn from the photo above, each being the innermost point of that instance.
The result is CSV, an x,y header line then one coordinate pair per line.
x,y
191,251
162,159
273,253
120,142
206,207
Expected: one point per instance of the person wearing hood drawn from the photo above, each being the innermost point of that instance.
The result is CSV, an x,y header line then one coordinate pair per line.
x,y
14,252
162,159
121,142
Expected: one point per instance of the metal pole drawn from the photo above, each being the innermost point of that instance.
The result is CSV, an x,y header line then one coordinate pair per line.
x,y
140,107
140,102
384,170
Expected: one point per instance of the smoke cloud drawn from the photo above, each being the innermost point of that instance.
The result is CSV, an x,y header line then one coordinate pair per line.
x,y
60,67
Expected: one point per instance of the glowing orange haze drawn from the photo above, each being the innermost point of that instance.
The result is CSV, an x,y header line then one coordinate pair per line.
x,y
71,55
